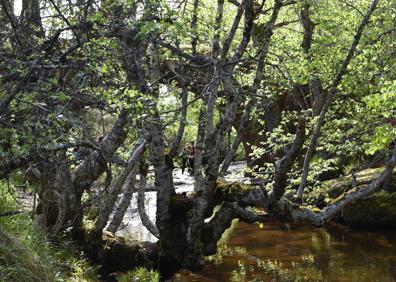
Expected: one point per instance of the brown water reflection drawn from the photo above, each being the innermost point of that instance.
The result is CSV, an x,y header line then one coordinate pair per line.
x,y
274,253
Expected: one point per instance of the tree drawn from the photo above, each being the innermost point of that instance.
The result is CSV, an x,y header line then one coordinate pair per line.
x,y
127,58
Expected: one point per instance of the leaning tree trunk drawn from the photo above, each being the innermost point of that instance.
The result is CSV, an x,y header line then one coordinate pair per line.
x,y
90,169
142,210
108,204
329,99
129,189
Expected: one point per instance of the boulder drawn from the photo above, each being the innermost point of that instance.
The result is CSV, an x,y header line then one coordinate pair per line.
x,y
375,211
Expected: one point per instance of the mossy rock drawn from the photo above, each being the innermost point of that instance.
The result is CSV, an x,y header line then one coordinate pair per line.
x,y
232,186
224,187
339,186
123,254
375,211
232,191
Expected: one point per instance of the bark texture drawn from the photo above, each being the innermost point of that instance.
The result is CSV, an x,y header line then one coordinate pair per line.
x,y
142,211
108,203
129,189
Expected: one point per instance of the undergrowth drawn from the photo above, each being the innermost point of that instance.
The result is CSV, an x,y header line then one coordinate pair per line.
x,y
140,274
26,254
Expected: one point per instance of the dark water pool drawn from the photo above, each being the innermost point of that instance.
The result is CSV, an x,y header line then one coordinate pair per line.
x,y
276,252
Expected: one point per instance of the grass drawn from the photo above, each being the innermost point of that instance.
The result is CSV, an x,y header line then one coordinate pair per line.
x,y
140,274
26,254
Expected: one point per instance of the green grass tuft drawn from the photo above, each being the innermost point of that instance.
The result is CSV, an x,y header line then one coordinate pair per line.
x,y
140,274
26,254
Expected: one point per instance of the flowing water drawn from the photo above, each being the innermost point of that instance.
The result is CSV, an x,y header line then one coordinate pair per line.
x,y
276,252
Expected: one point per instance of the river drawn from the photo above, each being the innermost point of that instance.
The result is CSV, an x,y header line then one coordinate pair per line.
x,y
278,252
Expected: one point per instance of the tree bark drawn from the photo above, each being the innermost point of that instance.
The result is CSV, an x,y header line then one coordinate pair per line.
x,y
204,201
90,169
31,14
199,147
262,55
194,20
68,204
108,203
214,229
129,189
183,120
317,93
142,211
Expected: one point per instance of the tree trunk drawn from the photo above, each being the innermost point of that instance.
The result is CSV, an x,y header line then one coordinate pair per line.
x,y
129,189
199,146
142,211
330,98
108,204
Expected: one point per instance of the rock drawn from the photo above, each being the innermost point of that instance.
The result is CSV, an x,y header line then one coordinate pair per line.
x,y
375,211
122,254
337,187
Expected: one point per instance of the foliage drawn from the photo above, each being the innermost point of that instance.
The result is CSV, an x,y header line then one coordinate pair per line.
x,y
382,105
68,68
140,274
360,122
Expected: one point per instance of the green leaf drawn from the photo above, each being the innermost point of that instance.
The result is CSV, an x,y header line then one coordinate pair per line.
x,y
63,97
104,69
